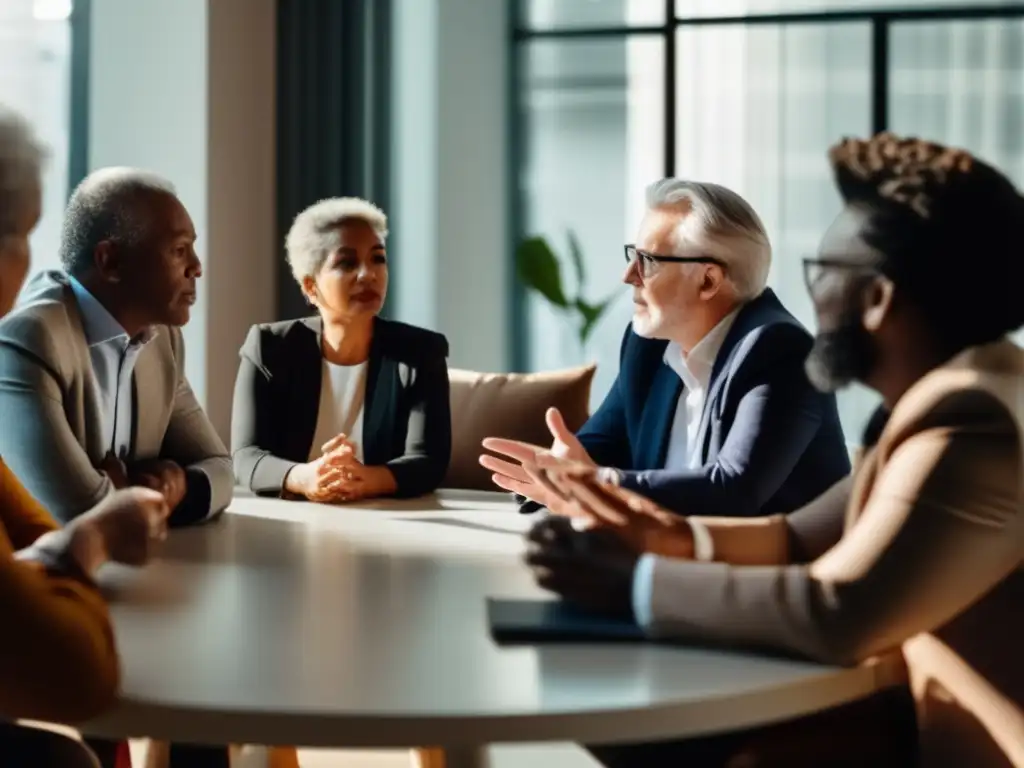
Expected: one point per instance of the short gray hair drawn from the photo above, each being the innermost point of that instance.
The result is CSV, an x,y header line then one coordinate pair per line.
x,y
22,156
720,223
314,233
109,204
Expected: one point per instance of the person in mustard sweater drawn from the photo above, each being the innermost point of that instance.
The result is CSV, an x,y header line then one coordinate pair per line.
x,y
58,661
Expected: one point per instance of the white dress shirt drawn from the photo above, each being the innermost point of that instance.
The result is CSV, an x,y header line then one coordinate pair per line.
x,y
683,450
342,394
113,355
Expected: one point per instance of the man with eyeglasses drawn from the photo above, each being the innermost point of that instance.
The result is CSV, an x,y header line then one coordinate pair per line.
x,y
712,412
919,553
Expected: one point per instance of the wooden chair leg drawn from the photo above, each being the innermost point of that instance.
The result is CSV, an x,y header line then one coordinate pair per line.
x,y
428,757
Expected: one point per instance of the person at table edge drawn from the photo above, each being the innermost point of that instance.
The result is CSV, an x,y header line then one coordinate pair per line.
x,y
916,286
58,660
711,411
93,393
343,405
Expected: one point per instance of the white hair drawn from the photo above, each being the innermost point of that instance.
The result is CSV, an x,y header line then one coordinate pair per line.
x,y
717,222
108,204
314,234
22,156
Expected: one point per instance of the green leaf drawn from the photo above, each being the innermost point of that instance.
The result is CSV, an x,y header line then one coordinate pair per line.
x,y
576,252
538,269
590,313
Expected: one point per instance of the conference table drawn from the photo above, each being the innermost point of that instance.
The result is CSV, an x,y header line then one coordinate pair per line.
x,y
365,625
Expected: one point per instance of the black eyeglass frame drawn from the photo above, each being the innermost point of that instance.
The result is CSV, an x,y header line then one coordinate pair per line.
x,y
810,263
644,258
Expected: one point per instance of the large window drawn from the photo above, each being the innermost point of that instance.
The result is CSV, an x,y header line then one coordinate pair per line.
x,y
613,94
35,76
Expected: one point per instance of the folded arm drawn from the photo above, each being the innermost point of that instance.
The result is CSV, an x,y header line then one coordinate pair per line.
x,y
798,537
193,443
942,526
252,410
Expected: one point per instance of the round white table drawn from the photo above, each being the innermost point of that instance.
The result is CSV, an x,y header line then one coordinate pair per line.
x,y
366,626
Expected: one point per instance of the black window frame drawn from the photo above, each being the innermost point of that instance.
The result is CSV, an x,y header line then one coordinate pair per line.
x,y
880,20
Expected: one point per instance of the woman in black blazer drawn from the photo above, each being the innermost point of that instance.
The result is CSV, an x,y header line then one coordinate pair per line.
x,y
343,405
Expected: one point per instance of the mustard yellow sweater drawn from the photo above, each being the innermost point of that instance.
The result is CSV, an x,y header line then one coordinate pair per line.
x,y
57,656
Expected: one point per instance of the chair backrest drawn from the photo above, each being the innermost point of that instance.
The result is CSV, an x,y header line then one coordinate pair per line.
x,y
509,405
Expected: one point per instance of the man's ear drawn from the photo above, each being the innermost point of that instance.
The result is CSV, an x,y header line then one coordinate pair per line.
x,y
711,281
107,262
310,291
877,303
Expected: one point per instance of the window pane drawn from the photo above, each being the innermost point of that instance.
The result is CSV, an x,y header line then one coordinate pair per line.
x,y
703,8
566,14
594,140
35,56
779,97
960,83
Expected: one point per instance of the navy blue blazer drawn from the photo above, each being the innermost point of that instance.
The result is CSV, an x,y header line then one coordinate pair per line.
x,y
770,442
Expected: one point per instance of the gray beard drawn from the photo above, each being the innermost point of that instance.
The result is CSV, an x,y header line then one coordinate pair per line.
x,y
840,357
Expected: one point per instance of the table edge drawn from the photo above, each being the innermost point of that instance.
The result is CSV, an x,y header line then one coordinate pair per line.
x,y
131,719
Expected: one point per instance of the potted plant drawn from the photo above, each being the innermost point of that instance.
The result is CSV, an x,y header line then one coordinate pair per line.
x,y
540,270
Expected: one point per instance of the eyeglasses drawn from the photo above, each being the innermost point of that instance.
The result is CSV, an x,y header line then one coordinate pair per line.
x,y
815,269
647,261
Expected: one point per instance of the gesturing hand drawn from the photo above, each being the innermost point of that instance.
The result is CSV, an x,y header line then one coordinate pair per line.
x,y
577,491
511,476
593,569
161,475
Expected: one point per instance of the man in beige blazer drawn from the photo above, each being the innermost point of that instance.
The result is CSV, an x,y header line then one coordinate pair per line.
x,y
919,551
93,393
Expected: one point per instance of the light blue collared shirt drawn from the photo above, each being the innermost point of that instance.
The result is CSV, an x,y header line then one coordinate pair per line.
x,y
113,355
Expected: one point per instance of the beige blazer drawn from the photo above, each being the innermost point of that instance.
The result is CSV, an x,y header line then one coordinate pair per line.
x,y
918,552
50,422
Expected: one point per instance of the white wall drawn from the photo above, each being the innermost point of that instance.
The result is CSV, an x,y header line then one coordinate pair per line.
x,y
186,88
450,128
35,68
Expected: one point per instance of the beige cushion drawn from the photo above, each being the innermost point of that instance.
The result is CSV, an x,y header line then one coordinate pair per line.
x,y
509,405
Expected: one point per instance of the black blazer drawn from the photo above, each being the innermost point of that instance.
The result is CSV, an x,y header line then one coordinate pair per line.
x,y
770,442
406,419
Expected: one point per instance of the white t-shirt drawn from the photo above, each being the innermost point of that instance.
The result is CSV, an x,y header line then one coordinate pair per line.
x,y
342,394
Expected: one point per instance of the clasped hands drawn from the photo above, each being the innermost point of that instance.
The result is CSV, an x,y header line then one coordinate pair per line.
x,y
338,476
587,549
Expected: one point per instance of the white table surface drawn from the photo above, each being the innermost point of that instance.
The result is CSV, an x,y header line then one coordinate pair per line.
x,y
294,623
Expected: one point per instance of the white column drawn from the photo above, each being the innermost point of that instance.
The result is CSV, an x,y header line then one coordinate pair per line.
x,y
449,158
186,88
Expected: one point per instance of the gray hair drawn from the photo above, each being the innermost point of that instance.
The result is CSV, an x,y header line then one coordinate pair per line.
x,y
720,223
22,156
109,204
314,233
